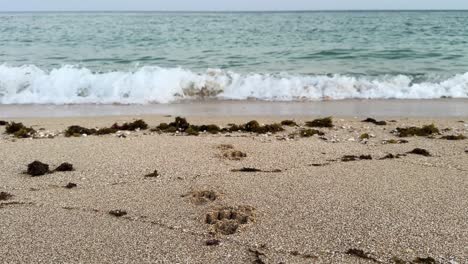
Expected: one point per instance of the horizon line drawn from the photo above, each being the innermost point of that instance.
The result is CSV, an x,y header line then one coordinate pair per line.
x,y
229,11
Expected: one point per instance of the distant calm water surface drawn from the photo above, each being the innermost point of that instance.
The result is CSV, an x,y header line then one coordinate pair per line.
x,y
74,58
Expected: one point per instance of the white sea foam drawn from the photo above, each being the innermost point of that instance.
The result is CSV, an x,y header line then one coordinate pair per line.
x,y
72,85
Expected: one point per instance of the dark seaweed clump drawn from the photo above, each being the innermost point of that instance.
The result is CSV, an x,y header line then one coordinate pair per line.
x,y
3,123
154,174
131,126
19,130
118,213
288,123
420,151
106,131
454,137
321,122
348,158
71,185
64,167
424,131
428,260
255,127
375,122
212,242
5,196
364,136
310,132
37,168
180,124
77,131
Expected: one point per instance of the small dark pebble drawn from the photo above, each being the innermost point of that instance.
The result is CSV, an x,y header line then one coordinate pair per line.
x,y
65,167
118,213
154,174
71,185
427,260
37,168
420,151
375,122
212,242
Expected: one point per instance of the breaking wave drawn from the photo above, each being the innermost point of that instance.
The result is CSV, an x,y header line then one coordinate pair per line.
x,y
74,85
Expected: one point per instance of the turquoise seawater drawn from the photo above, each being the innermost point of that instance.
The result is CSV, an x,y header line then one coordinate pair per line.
x,y
163,57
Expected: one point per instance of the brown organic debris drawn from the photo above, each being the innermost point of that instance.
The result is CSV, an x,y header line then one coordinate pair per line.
x,y
428,260
310,132
118,213
71,185
375,122
454,137
212,242
348,158
153,174
321,122
5,196
37,168
131,126
19,130
420,151
424,131
288,123
65,167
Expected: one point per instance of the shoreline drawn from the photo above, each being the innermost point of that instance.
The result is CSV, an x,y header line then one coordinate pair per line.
x,y
440,108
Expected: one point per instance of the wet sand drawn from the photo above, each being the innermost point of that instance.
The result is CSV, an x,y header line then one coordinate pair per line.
x,y
307,205
347,108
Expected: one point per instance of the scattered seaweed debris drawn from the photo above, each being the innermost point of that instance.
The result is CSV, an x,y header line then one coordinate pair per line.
x,y
37,168
212,242
227,220
428,260
395,141
321,122
202,197
290,123
246,169
319,164
65,167
454,137
3,123
424,131
154,174
234,155
420,151
19,130
78,131
360,254
5,196
71,185
131,126
392,156
310,132
348,158
375,122
118,213
364,136
106,131
257,256
180,124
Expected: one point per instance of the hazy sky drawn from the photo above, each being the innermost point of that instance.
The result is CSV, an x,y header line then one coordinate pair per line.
x,y
62,5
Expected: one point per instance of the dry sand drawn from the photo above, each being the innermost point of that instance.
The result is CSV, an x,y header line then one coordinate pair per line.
x,y
403,208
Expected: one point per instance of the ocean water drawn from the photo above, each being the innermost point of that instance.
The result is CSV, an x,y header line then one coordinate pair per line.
x,y
150,57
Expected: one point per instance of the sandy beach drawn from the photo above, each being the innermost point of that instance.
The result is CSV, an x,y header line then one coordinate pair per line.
x,y
306,204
